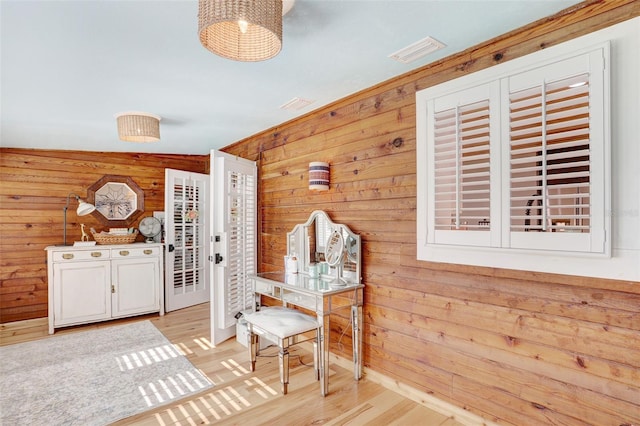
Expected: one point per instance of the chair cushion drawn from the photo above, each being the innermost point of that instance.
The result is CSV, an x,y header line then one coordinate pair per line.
x,y
282,322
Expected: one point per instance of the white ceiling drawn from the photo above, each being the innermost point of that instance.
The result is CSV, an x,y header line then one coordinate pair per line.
x,y
68,66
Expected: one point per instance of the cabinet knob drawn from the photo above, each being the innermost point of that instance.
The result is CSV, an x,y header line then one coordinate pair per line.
x,y
124,252
96,254
148,251
67,255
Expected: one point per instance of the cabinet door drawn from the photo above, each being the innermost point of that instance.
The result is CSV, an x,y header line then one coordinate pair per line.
x,y
136,284
81,292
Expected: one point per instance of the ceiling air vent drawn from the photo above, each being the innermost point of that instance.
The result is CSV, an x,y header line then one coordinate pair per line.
x,y
296,104
417,50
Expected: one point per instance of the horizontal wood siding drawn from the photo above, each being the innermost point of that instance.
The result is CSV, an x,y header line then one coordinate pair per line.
x,y
519,348
34,185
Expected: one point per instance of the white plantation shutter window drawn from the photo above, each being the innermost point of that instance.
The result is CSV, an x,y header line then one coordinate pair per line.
x,y
462,167
461,174
516,159
550,157
189,260
242,236
556,151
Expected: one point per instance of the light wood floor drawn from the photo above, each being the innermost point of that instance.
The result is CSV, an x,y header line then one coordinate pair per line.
x,y
242,397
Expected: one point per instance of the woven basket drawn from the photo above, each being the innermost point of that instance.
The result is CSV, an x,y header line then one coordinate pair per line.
x,y
106,239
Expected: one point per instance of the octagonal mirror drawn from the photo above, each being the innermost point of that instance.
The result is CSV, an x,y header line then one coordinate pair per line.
x,y
118,200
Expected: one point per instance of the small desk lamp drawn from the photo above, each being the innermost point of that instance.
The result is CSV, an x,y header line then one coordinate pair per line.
x,y
82,210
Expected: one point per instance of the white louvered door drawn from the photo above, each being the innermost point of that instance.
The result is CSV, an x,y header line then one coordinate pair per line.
x,y
233,240
186,247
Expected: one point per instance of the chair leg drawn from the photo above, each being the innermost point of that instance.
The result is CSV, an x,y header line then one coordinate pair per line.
x,y
316,357
284,364
254,344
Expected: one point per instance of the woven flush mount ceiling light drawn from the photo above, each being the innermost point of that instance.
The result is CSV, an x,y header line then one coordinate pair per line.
x,y
242,30
138,127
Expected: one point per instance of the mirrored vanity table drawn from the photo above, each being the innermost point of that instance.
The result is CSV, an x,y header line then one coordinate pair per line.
x,y
322,275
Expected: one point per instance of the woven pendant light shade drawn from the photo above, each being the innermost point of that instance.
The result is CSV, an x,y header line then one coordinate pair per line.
x,y
138,127
242,30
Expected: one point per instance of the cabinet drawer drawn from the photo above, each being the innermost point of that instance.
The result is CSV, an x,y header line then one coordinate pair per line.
x,y
75,255
135,252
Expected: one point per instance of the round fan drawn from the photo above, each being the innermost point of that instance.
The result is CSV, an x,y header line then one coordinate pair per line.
x,y
150,227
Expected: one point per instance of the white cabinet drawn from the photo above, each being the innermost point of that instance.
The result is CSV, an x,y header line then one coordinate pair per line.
x,y
82,292
135,276
88,284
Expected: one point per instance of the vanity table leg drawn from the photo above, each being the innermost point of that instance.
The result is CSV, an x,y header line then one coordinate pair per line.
x,y
356,338
325,334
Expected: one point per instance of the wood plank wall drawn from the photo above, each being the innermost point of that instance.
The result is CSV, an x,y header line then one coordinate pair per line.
x,y
34,185
515,347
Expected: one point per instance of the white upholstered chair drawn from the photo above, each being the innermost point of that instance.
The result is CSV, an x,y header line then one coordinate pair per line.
x,y
285,325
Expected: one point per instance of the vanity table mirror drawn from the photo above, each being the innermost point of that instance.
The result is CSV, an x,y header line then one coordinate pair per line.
x,y
331,249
